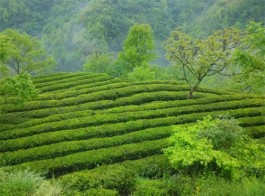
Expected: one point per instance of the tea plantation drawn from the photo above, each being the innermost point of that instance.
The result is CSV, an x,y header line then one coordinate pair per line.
x,y
94,131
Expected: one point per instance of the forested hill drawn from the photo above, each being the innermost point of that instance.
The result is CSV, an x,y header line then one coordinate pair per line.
x,y
72,30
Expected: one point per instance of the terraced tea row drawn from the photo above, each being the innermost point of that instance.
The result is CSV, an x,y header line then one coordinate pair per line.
x,y
69,78
65,148
124,108
100,119
112,94
94,158
109,130
54,77
83,121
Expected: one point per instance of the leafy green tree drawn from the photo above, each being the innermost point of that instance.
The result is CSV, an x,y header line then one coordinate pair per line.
x,y
250,60
202,58
138,48
19,87
98,62
23,53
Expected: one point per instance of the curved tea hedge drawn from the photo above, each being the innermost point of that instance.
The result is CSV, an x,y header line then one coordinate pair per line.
x,y
84,125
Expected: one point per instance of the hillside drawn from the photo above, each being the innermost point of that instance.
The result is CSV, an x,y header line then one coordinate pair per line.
x,y
73,30
88,126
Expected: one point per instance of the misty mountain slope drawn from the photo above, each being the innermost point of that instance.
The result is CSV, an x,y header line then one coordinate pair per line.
x,y
224,13
73,30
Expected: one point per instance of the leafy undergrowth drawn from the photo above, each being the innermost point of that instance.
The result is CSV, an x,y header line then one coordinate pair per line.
x,y
98,134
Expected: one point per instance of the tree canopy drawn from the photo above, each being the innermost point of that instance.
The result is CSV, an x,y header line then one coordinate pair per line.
x,y
22,53
138,47
250,60
200,58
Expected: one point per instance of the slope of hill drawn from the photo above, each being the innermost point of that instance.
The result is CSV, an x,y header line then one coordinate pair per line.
x,y
85,126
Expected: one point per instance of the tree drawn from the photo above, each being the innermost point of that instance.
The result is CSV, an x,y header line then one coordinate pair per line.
x,y
98,62
202,58
19,87
23,53
250,60
138,48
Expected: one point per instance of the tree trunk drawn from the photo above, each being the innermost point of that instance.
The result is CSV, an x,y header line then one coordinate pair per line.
x,y
191,92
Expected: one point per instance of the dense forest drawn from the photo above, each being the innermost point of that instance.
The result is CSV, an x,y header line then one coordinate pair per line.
x,y
73,30
132,97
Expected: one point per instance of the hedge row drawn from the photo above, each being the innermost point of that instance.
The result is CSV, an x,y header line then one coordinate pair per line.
x,y
71,112
129,108
170,104
99,119
91,87
68,79
58,86
82,134
95,87
65,112
96,96
128,89
94,158
65,148
52,77
108,130
104,94
41,113
99,100
256,132
53,118
117,176
253,121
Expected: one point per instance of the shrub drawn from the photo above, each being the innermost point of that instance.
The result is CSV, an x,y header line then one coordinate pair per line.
x,y
168,185
95,192
26,183
206,146
223,133
145,187
112,176
218,186
141,73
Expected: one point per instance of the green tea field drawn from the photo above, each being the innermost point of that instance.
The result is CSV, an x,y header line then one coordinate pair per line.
x,y
86,126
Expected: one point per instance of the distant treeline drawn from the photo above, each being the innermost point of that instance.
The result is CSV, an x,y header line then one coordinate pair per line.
x,y
73,30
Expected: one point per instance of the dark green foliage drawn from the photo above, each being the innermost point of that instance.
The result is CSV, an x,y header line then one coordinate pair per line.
x,y
223,134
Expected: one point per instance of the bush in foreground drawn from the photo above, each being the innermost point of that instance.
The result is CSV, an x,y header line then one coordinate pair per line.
x,y
216,146
26,183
